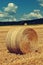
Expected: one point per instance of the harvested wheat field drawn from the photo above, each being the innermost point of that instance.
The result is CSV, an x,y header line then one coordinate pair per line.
x,y
35,50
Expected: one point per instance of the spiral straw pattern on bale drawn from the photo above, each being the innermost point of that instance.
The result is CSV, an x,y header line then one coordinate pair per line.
x,y
22,40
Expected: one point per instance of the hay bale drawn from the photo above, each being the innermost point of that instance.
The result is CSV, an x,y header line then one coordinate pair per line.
x,y
22,40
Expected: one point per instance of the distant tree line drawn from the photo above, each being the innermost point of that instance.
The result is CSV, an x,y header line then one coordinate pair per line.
x,y
29,22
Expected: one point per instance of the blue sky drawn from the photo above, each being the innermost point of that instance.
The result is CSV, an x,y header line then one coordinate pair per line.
x,y
16,10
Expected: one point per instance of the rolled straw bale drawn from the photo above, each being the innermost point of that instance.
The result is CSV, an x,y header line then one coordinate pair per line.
x,y
22,39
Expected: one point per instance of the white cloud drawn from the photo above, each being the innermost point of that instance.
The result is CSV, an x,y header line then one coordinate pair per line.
x,y
41,2
32,15
36,10
8,13
11,8
6,17
3,14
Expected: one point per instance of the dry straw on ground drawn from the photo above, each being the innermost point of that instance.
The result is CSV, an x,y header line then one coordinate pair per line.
x,y
33,58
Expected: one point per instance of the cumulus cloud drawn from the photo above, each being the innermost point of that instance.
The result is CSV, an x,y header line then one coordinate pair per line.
x,y
41,2
8,13
32,15
36,10
11,8
6,17
3,14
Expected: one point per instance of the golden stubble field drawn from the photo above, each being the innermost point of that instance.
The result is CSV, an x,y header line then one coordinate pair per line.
x,y
7,58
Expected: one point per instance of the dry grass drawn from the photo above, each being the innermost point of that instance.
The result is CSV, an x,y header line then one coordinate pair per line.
x,y
34,58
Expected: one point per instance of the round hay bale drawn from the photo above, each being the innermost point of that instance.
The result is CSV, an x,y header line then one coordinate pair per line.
x,y
22,40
